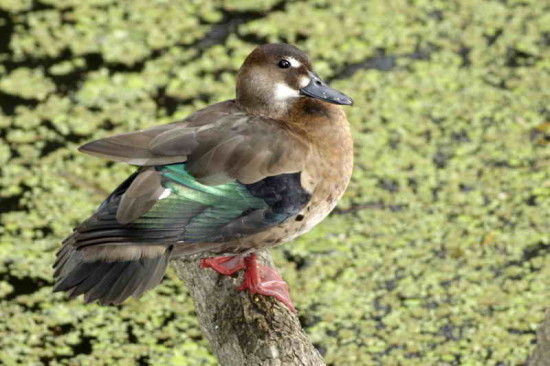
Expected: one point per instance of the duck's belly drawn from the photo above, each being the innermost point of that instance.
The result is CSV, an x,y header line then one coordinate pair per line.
x,y
323,200
310,220
287,231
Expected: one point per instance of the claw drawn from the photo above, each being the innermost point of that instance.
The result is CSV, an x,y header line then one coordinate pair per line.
x,y
263,280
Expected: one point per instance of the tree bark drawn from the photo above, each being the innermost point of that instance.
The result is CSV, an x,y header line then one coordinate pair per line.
x,y
245,329
541,353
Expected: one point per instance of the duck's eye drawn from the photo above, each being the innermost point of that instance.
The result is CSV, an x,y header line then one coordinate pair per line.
x,y
284,64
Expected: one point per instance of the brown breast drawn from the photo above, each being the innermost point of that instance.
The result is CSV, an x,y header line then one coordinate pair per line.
x,y
326,175
330,164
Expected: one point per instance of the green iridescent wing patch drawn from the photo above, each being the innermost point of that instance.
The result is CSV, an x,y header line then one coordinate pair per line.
x,y
191,212
213,208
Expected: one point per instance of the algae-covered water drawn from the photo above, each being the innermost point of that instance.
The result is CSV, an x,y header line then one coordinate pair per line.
x,y
439,254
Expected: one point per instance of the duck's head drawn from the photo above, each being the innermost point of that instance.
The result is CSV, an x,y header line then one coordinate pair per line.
x,y
274,76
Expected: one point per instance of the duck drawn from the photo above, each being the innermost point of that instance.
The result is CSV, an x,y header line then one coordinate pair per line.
x,y
233,178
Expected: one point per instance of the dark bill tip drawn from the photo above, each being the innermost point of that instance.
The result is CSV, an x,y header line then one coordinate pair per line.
x,y
318,89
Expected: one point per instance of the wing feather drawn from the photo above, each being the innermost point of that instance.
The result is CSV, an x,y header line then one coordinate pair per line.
x,y
218,143
140,197
216,176
192,213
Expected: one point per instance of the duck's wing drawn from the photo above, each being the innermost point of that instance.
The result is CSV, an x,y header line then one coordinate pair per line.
x,y
219,144
167,206
212,180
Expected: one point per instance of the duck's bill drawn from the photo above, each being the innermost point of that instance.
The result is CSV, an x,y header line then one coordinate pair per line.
x,y
318,89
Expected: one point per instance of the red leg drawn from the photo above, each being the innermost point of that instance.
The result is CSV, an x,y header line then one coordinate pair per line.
x,y
263,280
224,265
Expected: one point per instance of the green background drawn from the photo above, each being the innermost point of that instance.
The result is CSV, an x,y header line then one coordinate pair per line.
x,y
439,254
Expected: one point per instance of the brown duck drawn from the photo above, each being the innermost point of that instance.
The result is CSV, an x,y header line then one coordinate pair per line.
x,y
232,178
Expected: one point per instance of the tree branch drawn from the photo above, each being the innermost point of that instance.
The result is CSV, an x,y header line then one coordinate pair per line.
x,y
245,329
541,353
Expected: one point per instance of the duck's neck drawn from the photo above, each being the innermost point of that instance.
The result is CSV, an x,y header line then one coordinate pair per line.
x,y
324,125
316,117
256,106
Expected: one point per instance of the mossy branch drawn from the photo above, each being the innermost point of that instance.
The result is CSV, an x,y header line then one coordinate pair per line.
x,y
541,353
245,329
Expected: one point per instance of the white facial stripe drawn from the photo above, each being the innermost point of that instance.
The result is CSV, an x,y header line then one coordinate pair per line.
x,y
283,92
294,62
304,80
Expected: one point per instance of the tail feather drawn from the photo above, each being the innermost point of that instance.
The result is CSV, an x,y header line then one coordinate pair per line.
x,y
108,282
63,255
89,282
102,286
83,275
153,275
126,284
